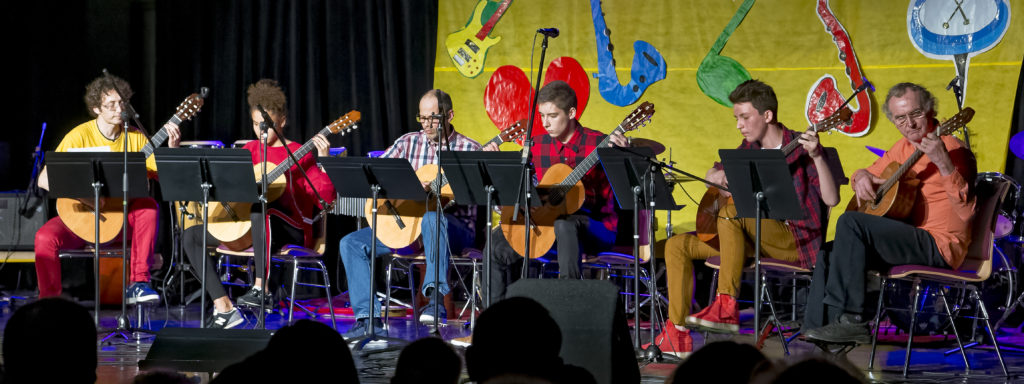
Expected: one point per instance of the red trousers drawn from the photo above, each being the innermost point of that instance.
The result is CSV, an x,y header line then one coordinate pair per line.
x,y
143,221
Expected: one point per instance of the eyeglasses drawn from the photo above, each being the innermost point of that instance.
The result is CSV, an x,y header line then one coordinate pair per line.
x,y
902,120
423,119
111,106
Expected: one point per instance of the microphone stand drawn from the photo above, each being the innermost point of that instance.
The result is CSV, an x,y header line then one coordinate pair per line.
x,y
442,139
268,123
959,95
126,112
524,178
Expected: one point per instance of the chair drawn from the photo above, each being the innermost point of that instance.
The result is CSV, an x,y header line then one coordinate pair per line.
x,y
470,257
108,251
301,259
976,268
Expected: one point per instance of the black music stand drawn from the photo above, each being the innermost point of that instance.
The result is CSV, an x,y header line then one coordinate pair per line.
x,y
639,183
373,178
488,179
98,174
762,187
204,174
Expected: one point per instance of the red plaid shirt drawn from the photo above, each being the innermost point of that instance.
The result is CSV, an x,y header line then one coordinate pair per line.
x,y
599,203
809,233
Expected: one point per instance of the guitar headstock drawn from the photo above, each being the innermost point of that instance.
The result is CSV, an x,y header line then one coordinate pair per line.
x,y
638,118
190,107
956,122
833,121
513,132
345,123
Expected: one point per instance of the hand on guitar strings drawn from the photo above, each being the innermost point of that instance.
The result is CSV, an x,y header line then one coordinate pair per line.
x,y
490,147
864,185
809,140
717,176
933,147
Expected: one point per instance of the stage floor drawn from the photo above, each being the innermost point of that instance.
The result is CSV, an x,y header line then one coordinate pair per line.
x,y
118,358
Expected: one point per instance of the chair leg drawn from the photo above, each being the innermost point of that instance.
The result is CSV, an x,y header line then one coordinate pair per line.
x,y
878,321
387,291
956,334
327,292
988,328
291,304
414,293
913,324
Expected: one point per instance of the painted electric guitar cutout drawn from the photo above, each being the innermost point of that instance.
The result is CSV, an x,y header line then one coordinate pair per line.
x,y
824,97
648,65
468,46
719,75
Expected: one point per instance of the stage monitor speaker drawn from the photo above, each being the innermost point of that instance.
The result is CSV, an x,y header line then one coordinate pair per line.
x,y
18,231
203,350
595,335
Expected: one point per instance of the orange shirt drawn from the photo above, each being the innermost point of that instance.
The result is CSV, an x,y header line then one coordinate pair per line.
x,y
945,204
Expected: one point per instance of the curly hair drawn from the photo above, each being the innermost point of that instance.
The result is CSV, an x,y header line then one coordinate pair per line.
x,y
100,86
267,93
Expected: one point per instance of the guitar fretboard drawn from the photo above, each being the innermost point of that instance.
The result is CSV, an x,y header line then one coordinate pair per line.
x,y
160,137
299,153
559,191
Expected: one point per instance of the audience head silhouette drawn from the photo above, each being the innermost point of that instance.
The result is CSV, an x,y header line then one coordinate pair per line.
x,y
308,346
427,360
31,335
515,329
722,362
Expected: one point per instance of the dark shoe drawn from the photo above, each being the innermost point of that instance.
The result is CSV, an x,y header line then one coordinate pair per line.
x,y
140,292
226,320
359,329
253,298
427,314
848,329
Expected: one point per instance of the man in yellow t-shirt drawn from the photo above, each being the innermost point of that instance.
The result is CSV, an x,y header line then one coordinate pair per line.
x,y
103,100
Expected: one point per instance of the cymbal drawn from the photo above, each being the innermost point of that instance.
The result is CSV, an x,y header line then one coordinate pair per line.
x,y
641,142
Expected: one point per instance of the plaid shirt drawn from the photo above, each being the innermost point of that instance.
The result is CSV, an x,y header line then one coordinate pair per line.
x,y
420,150
809,233
599,203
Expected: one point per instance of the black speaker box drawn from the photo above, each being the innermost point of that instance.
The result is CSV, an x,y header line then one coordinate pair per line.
x,y
595,335
17,230
203,350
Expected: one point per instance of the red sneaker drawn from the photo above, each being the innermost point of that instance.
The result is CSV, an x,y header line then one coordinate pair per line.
x,y
722,316
694,319
673,341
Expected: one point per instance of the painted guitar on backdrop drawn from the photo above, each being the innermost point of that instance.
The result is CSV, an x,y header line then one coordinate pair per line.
x,y
229,222
895,197
713,201
565,193
80,217
824,97
399,222
468,46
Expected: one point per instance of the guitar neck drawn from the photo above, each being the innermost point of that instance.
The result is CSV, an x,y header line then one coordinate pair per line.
x,y
895,178
299,153
588,162
496,140
487,27
160,137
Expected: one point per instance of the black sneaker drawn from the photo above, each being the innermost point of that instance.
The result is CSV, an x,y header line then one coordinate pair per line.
x,y
359,329
226,320
848,329
253,298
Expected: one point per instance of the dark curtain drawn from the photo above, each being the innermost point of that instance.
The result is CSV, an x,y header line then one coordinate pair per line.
x,y
329,56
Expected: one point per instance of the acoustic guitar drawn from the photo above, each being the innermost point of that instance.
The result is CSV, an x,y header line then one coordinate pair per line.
x,y
468,46
895,197
229,222
565,193
713,201
399,222
80,218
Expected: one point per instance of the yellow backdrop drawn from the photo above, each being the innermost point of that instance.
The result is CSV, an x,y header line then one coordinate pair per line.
x,y
780,42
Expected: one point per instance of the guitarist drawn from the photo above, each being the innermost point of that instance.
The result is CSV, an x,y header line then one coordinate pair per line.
x,y
420,148
297,200
104,133
567,142
756,111
937,232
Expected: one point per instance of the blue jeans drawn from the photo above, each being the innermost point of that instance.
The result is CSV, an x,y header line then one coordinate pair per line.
x,y
355,255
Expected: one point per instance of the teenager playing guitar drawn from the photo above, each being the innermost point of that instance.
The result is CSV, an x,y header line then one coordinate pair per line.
x,y
297,203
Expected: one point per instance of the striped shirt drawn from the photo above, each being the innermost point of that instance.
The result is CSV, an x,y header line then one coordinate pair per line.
x,y
420,150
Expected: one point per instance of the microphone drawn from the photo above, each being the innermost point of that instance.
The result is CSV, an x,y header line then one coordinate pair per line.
x,y
549,32
266,117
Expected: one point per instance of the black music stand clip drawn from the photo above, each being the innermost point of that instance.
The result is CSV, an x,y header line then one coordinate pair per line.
x,y
202,175
762,188
373,178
